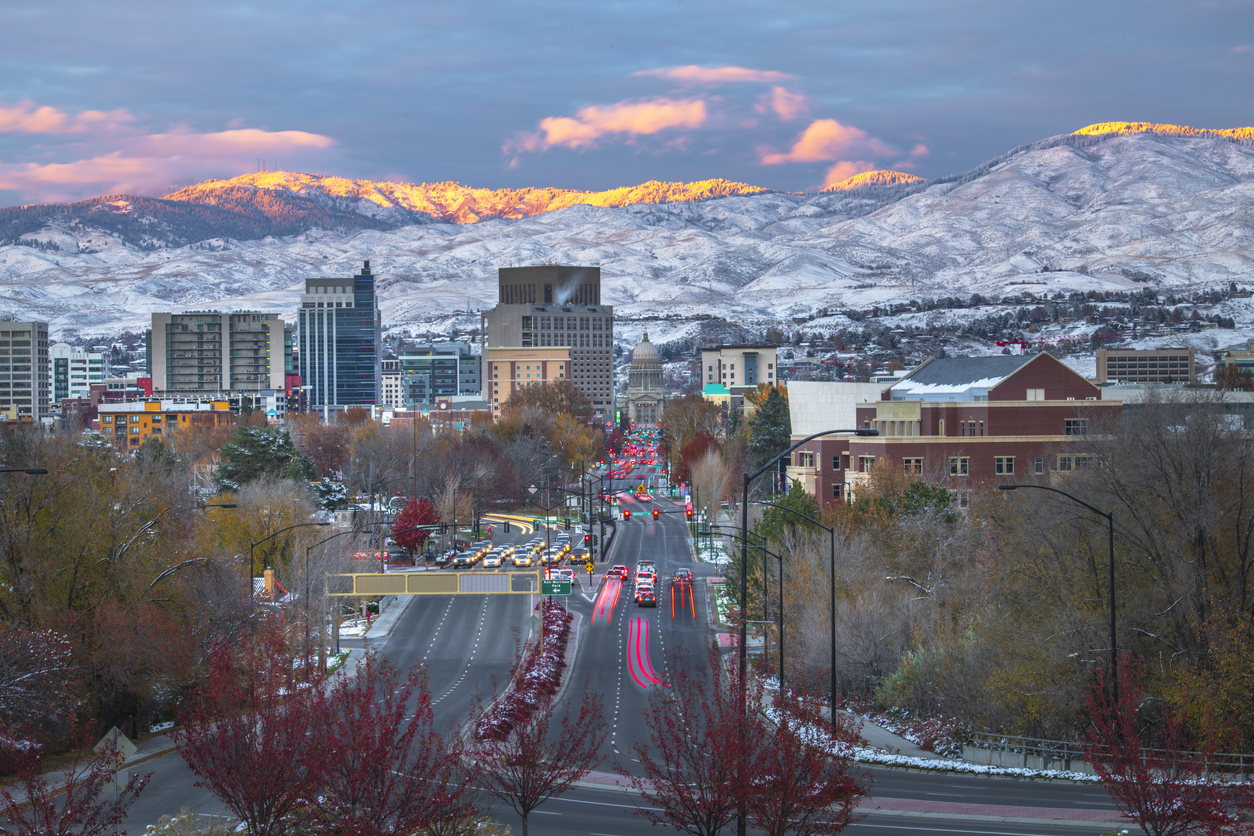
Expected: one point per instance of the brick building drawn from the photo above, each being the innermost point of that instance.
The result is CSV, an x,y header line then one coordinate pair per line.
x,y
968,421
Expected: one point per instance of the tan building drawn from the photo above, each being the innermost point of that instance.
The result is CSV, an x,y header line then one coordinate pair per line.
x,y
506,370
1159,365
556,306
739,366
128,425
1240,355
215,351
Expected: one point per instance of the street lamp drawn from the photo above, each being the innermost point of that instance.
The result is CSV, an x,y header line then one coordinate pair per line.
x,y
31,471
744,563
252,569
1110,542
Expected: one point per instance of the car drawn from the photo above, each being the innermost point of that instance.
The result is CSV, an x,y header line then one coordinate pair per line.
x,y
646,574
464,560
565,573
645,597
492,560
522,559
686,574
579,555
618,571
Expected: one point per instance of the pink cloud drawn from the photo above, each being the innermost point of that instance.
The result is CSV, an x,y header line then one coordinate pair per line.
x,y
712,76
824,139
243,140
845,169
1242,48
920,150
590,124
784,102
115,156
27,117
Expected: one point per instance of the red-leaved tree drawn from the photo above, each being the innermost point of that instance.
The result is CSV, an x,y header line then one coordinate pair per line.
x,y
386,769
699,760
415,513
247,733
1157,772
801,781
69,803
536,762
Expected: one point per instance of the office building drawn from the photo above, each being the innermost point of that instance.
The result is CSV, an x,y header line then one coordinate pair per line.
x,y
439,371
1157,365
506,370
339,337
217,351
72,371
554,307
24,379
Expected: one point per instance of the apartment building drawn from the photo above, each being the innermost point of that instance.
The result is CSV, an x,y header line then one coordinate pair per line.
x,y
24,371
72,370
506,370
129,425
217,351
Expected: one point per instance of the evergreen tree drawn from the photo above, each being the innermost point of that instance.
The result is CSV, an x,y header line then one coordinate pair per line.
x,y
253,452
770,429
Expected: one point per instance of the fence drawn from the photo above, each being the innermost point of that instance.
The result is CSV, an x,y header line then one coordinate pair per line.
x,y
1035,753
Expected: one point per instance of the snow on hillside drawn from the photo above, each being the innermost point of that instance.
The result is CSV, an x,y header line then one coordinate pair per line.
x,y
1117,212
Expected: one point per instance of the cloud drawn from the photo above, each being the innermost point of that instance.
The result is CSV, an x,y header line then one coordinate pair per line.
x,y
638,118
245,140
920,150
1242,48
786,103
824,139
28,118
844,170
714,76
110,154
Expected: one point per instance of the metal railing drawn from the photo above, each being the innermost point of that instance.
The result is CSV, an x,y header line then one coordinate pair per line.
x,y
1066,752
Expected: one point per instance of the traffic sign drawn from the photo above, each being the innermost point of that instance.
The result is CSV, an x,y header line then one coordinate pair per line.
x,y
556,586
589,567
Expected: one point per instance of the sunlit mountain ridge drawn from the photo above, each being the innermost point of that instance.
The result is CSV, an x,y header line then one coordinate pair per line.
x,y
882,177
1125,128
448,202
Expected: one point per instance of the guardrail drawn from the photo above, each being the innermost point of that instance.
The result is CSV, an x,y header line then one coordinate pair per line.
x,y
1037,753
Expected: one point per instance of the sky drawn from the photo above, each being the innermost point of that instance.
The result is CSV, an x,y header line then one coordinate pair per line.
x,y
146,96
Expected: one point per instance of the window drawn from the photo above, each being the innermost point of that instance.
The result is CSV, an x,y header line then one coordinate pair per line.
x,y
962,498
1077,426
865,463
912,465
835,462
805,459
835,490
1064,463
1040,465
1004,465
959,466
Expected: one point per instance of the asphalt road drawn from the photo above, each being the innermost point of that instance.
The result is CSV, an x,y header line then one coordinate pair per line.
x,y
468,644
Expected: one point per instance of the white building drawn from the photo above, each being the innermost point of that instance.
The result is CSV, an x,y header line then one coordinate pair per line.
x,y
72,371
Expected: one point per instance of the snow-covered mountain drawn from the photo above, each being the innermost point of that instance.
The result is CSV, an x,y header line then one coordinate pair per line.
x,y
1116,206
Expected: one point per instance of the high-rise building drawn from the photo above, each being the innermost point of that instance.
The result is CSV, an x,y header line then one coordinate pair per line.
x,y
24,386
340,342
439,371
72,370
217,351
554,306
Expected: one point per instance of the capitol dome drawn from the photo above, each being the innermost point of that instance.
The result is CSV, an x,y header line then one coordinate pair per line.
x,y
645,353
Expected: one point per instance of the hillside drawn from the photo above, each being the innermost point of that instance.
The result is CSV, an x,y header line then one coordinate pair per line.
x,y
1107,209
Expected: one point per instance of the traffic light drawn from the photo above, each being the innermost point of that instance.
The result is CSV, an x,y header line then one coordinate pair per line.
x,y
688,511
507,526
587,538
568,523
626,514
655,513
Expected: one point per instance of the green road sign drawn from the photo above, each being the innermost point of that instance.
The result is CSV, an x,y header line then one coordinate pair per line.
x,y
556,586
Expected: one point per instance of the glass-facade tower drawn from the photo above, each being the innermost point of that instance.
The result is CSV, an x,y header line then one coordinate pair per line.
x,y
339,340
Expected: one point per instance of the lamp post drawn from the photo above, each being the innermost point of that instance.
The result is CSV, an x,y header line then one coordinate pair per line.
x,y
831,531
1110,542
744,562
252,569
30,471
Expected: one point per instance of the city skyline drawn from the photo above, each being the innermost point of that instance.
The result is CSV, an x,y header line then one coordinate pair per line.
x,y
151,98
